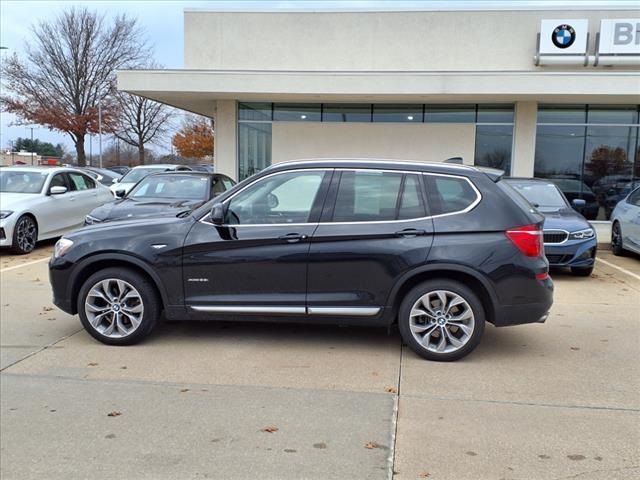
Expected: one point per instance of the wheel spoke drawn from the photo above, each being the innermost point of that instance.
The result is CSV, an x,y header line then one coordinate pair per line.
x,y
97,320
135,309
133,319
442,296
424,329
453,303
109,330
452,339
114,308
419,312
96,309
466,315
442,344
462,326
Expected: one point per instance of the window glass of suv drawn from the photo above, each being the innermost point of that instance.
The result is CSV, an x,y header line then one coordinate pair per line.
x,y
278,199
411,201
449,194
367,196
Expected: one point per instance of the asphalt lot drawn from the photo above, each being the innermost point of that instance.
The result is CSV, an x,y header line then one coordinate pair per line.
x,y
215,400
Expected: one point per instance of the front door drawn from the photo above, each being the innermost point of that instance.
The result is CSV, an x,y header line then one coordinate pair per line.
x,y
256,262
374,229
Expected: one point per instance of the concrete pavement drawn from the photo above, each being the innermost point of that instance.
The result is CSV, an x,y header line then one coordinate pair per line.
x,y
558,400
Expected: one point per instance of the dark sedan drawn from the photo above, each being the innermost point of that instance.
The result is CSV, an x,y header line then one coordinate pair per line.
x,y
167,193
569,239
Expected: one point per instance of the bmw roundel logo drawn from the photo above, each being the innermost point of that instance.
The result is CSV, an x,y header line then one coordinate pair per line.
x,y
563,36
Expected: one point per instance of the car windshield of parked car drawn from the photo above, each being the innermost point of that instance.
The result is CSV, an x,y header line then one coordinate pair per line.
x,y
173,186
544,196
137,174
21,182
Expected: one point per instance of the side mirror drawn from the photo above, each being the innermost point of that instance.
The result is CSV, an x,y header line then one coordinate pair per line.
x,y
579,203
120,193
57,190
217,214
115,180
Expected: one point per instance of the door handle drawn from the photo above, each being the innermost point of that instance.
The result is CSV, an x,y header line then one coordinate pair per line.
x,y
293,237
410,232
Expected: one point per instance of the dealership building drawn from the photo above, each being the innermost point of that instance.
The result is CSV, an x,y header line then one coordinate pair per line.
x,y
548,93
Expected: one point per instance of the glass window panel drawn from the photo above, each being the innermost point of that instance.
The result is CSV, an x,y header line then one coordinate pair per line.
x,y
493,146
450,113
285,198
608,167
397,113
449,194
495,114
296,112
562,114
255,111
613,114
254,148
344,112
367,196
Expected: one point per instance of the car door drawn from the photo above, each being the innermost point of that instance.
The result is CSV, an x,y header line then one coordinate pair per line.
x,y
631,225
53,213
84,195
256,262
374,228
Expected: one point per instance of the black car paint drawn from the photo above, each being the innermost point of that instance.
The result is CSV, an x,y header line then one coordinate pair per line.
x,y
355,265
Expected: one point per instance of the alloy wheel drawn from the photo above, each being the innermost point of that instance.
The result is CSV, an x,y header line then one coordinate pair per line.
x,y
114,308
442,321
26,234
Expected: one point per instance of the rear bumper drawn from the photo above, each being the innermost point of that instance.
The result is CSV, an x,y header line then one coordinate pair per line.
x,y
536,312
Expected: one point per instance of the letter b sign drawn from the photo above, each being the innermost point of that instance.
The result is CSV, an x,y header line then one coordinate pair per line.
x,y
625,33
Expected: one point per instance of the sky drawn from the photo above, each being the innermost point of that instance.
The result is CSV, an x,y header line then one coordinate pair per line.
x,y
163,24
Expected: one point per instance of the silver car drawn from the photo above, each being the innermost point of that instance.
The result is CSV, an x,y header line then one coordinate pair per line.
x,y
37,203
625,226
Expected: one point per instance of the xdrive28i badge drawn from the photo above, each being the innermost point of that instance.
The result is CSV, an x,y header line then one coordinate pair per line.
x,y
563,36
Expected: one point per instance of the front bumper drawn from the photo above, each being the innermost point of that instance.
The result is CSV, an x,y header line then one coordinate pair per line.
x,y
59,278
7,225
572,253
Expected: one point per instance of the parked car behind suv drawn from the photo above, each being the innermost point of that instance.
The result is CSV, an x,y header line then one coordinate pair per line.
x,y
437,248
569,239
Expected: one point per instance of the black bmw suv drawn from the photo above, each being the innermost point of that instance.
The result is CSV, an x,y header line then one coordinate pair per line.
x,y
436,248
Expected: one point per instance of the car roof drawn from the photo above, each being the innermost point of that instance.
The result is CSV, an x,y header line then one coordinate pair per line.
x,y
159,165
387,164
185,172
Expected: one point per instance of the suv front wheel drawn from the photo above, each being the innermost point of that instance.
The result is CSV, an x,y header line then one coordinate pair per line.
x,y
118,306
441,320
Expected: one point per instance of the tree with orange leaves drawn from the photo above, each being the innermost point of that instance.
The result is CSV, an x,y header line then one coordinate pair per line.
x,y
69,70
195,138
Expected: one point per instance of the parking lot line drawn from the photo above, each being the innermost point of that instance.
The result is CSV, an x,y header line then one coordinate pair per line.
x,y
23,265
623,270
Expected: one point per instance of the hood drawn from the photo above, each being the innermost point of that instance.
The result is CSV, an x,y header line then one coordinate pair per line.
x,y
15,201
128,208
564,219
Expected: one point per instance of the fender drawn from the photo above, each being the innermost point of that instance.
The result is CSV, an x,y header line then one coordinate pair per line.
x,y
433,267
126,258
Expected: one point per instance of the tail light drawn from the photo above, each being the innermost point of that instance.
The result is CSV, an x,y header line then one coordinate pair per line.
x,y
528,239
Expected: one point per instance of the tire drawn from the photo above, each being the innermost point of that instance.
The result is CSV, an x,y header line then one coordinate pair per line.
x,y
616,239
138,306
582,271
431,331
25,235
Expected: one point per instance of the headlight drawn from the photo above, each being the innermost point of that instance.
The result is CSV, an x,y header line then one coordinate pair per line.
x,y
5,213
582,234
62,246
89,220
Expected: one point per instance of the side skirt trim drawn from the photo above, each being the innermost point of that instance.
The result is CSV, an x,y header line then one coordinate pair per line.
x,y
283,310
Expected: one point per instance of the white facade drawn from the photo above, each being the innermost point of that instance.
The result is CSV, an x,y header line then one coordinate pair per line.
x,y
473,58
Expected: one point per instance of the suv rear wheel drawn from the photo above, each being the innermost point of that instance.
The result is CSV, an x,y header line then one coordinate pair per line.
x,y
118,306
441,320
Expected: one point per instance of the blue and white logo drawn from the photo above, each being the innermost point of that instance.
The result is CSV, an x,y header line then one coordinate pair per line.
x,y
563,36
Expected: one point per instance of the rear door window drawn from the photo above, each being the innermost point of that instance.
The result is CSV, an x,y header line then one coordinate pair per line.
x,y
449,194
365,196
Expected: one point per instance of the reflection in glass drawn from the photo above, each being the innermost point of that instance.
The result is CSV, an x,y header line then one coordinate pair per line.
x,y
254,148
493,146
450,113
397,113
296,112
562,113
345,112
612,114
254,111
495,114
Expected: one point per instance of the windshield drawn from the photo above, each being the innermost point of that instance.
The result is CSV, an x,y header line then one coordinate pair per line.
x,y
137,174
544,196
21,181
176,186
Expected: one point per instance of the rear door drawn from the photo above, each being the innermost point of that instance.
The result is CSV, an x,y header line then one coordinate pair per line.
x,y
373,229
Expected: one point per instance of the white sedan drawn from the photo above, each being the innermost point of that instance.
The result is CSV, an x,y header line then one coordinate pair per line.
x,y
133,176
37,203
625,224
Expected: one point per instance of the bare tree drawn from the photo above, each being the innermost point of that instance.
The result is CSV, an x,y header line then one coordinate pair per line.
x,y
70,69
141,121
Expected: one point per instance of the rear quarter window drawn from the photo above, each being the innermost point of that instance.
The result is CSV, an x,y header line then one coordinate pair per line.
x,y
449,194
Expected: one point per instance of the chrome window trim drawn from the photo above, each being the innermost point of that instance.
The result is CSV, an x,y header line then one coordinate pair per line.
x,y
470,207
551,230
